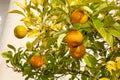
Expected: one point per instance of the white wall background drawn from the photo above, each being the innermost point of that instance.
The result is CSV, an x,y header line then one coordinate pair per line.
x,y
9,21
4,4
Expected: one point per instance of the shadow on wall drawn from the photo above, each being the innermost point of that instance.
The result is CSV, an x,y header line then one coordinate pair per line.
x,y
4,4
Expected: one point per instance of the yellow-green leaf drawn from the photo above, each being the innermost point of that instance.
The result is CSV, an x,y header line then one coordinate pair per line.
x,y
37,1
29,45
115,33
20,5
17,12
60,39
33,33
7,54
118,63
111,66
99,26
90,60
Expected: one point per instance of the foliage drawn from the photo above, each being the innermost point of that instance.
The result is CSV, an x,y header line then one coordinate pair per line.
x,y
48,22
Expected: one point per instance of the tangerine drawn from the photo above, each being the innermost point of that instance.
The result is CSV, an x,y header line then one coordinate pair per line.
x,y
104,78
78,16
74,38
36,60
20,31
78,52
84,19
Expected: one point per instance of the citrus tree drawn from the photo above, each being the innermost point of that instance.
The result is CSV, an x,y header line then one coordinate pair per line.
x,y
80,38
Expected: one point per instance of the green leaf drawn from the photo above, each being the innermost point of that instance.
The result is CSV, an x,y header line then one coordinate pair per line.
x,y
11,47
88,9
17,12
67,19
109,39
100,7
108,21
27,70
109,7
29,45
90,60
76,26
16,60
114,33
7,54
117,26
99,26
60,39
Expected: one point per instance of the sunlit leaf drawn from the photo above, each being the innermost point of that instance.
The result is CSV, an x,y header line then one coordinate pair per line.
x,y
33,33
20,5
117,26
60,39
17,12
7,54
67,19
37,1
56,27
26,19
25,2
88,9
109,39
29,45
100,28
40,1
114,33
90,60
111,66
118,63
28,24
100,7
74,2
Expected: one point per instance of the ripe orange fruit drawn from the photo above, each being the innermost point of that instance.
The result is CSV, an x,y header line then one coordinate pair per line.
x,y
36,61
104,78
20,31
74,38
78,52
84,19
78,16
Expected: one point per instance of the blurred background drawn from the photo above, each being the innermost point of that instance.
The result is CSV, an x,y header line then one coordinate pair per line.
x,y
4,5
7,23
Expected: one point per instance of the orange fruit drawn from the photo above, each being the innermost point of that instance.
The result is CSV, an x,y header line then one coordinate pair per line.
x,y
83,19
20,31
74,38
78,52
104,78
36,60
78,16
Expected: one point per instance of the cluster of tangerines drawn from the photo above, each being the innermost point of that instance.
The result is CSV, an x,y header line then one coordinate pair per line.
x,y
75,41
74,38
